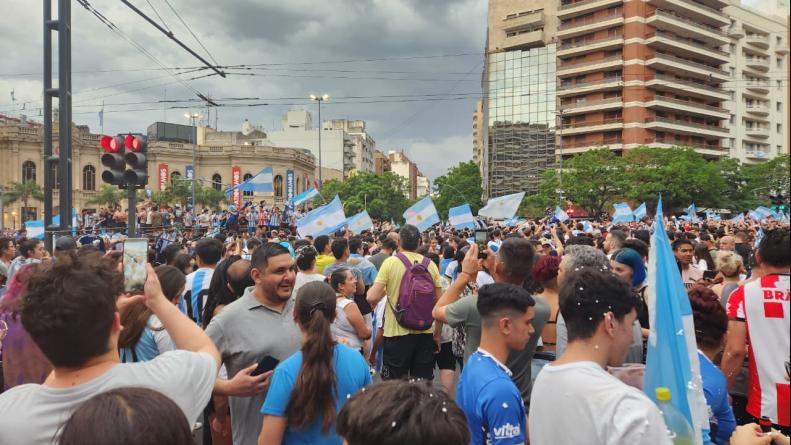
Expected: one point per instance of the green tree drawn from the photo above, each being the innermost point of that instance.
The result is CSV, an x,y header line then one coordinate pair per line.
x,y
680,174
383,196
461,184
593,180
108,196
761,179
24,192
210,197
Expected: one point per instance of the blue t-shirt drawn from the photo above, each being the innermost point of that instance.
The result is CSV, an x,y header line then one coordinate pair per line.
x,y
351,374
145,349
492,403
715,389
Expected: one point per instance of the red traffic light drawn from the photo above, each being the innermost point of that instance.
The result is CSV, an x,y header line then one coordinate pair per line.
x,y
570,211
134,143
111,144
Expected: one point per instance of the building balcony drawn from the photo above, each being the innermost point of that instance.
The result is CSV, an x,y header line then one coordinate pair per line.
x,y
682,26
757,109
568,10
757,86
757,63
685,127
667,62
782,46
588,106
712,149
603,64
686,87
757,132
570,148
570,49
612,83
758,40
736,31
521,21
757,154
686,47
529,39
686,106
579,27
694,11
591,126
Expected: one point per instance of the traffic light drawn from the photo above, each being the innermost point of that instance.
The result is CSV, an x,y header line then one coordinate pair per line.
x,y
136,174
113,159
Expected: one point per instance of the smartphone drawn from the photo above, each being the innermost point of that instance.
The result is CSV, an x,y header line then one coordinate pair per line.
x,y
709,274
134,260
266,364
481,239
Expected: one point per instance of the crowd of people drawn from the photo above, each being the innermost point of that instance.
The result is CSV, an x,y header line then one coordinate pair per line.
x,y
248,333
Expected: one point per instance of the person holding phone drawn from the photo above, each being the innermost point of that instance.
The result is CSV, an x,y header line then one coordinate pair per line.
x,y
310,387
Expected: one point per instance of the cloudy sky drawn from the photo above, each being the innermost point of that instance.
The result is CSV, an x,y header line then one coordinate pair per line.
x,y
385,61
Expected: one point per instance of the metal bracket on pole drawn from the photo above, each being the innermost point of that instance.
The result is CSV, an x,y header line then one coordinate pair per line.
x,y
131,196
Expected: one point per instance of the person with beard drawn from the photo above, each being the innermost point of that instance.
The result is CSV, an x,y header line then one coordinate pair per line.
x,y
257,325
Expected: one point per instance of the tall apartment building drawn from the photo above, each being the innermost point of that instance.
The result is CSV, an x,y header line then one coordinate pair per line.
x,y
401,165
642,72
759,84
422,186
519,96
363,144
477,133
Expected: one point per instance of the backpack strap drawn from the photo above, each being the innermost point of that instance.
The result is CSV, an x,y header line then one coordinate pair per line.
x,y
425,262
404,260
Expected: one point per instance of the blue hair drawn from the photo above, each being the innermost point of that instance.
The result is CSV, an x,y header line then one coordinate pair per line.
x,y
631,258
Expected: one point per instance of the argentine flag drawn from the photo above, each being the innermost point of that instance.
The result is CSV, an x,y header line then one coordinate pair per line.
x,y
640,212
303,197
503,207
422,214
35,228
322,220
561,215
461,217
764,212
692,213
262,182
360,222
672,350
587,227
623,213
737,219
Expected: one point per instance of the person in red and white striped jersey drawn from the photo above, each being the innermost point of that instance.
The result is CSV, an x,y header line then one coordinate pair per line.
x,y
759,327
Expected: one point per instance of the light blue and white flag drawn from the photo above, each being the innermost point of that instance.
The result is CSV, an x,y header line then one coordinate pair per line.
x,y
764,212
623,213
510,222
692,213
640,212
422,214
303,197
322,220
262,182
35,228
737,219
360,222
461,217
672,351
758,237
587,227
502,207
561,214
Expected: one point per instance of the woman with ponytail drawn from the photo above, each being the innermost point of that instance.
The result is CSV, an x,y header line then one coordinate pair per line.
x,y
309,388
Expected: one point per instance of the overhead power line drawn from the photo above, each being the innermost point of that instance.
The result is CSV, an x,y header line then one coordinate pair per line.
x,y
190,31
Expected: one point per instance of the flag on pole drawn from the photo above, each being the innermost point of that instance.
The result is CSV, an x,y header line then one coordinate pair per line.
x,y
561,214
303,197
764,212
623,213
640,212
322,220
758,237
461,217
502,207
737,219
360,222
587,227
692,213
422,214
262,182
672,351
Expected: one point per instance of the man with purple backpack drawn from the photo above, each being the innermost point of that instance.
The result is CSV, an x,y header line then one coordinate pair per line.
x,y
411,284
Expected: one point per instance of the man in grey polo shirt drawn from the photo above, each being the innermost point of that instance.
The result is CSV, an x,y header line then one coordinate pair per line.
x,y
258,324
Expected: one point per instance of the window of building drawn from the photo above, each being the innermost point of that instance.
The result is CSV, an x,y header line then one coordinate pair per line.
x,y
732,143
246,177
55,177
779,128
732,119
779,62
779,106
28,171
216,182
278,185
89,177
733,72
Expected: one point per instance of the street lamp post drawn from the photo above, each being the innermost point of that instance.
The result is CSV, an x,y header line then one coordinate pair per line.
x,y
320,99
192,117
13,218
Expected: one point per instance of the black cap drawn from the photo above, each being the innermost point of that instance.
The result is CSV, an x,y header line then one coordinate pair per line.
x,y
65,243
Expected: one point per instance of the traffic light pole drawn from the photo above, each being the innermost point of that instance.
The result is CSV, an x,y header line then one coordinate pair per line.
x,y
131,219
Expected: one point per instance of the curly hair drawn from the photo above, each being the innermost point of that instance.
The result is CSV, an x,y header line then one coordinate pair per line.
x,y
711,322
546,268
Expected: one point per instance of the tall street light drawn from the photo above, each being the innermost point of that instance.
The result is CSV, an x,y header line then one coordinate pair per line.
x,y
320,99
192,117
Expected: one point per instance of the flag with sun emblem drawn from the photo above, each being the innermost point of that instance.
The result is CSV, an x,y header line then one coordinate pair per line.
x,y
502,207
422,215
322,220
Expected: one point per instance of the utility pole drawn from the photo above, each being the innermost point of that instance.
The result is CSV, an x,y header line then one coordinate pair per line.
x,y
63,92
192,117
320,99
560,151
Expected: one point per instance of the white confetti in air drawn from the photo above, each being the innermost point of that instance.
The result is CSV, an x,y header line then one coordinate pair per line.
x,y
505,405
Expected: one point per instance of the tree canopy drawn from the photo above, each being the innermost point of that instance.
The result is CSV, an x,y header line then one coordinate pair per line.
x,y
383,196
460,184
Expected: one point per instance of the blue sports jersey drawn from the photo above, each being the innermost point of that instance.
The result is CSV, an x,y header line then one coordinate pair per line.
x,y
491,401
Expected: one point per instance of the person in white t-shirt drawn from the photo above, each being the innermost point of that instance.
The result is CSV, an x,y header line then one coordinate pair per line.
x,y
575,400
71,312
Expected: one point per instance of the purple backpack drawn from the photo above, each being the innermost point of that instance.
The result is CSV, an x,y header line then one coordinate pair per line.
x,y
415,296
